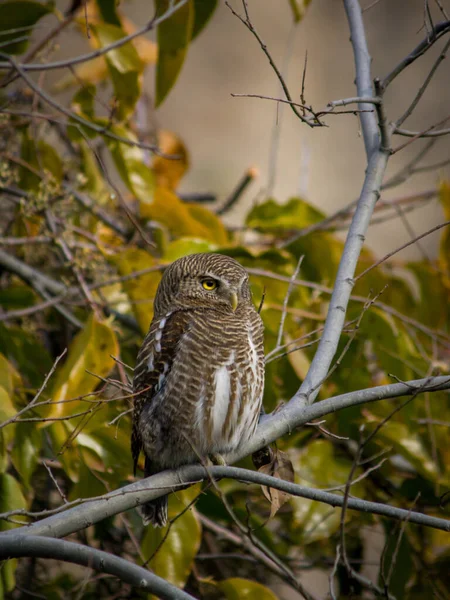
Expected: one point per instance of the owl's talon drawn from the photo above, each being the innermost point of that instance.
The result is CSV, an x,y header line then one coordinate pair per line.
x,y
217,459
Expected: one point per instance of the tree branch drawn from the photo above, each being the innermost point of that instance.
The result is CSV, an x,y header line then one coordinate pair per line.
x,y
363,76
378,154
16,546
438,31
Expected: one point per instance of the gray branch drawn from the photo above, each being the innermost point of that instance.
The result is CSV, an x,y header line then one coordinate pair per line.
x,y
363,75
378,155
16,546
272,427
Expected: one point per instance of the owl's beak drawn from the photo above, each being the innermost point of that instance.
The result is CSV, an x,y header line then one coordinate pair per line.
x,y
234,300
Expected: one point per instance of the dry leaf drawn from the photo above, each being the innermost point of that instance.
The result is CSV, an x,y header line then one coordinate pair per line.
x,y
280,466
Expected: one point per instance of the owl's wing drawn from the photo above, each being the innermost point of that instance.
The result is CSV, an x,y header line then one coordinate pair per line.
x,y
153,365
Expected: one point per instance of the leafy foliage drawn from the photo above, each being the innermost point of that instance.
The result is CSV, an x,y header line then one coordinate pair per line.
x,y
91,291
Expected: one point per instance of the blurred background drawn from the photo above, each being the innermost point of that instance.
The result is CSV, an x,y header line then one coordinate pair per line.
x,y
225,135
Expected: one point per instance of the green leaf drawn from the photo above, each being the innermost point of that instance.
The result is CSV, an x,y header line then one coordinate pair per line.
x,y
11,498
410,445
42,158
431,308
26,351
130,163
92,180
295,214
237,588
203,11
317,466
108,11
9,377
125,68
402,571
7,411
175,556
26,449
183,246
174,36
83,101
393,350
17,18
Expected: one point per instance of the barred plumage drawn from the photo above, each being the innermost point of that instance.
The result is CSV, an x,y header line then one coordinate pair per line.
x,y
199,375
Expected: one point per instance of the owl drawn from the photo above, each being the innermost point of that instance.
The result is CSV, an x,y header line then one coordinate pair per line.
x,y
199,376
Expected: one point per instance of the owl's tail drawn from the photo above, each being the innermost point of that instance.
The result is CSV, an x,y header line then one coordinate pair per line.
x,y
155,512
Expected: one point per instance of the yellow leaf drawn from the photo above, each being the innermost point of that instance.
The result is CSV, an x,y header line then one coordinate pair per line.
x,y
183,220
96,70
168,172
141,290
236,588
216,230
9,377
444,247
90,350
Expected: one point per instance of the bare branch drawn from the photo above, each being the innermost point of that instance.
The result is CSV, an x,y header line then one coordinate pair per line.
x,y
438,31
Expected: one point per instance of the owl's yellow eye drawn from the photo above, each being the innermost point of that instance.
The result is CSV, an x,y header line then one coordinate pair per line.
x,y
209,284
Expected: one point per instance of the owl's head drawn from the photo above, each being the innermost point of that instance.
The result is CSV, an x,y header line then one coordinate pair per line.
x,y
203,281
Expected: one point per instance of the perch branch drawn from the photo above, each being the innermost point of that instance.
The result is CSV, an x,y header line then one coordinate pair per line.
x,y
271,428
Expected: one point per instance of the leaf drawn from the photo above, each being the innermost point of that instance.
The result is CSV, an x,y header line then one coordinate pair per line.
x,y
17,18
11,498
9,377
7,411
183,246
182,219
317,466
168,172
130,163
444,246
280,466
42,158
108,11
25,350
91,351
140,290
174,35
402,571
124,66
236,588
91,179
431,309
298,8
96,70
410,445
174,559
393,349
26,449
216,231
203,12
271,216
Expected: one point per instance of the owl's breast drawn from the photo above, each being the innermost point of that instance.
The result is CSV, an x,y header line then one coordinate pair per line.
x,y
229,404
